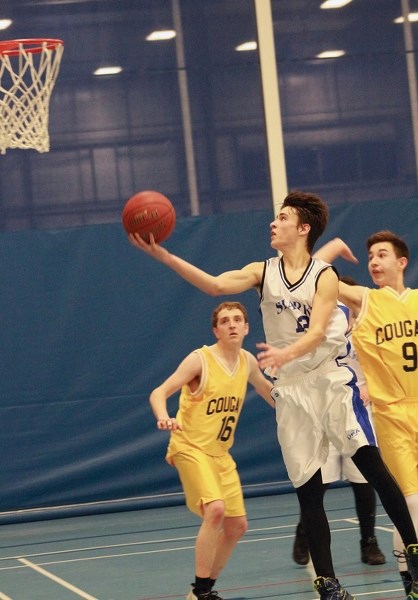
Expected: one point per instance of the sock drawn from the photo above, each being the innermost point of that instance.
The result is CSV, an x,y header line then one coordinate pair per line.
x,y
212,583
201,585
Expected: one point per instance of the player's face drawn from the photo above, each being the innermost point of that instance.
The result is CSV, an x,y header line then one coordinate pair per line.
x,y
384,266
231,326
284,230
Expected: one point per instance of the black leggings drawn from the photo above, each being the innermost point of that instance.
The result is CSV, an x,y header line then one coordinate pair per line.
x,y
365,501
311,499
368,461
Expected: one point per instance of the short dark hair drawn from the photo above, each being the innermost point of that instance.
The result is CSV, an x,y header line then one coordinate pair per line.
x,y
311,210
228,306
399,246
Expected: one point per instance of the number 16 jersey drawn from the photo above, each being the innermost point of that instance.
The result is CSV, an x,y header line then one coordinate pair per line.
x,y
210,414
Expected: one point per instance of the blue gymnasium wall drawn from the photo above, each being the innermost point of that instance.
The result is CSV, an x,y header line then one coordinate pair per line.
x,y
90,325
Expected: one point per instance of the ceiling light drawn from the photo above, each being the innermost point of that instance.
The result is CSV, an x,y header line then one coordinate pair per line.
x,y
246,47
5,23
334,3
107,71
331,54
163,34
412,17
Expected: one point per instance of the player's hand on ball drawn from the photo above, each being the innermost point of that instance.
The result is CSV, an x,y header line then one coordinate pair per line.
x,y
153,249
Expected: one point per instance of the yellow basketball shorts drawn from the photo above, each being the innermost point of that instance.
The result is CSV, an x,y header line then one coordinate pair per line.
x,y
207,478
397,433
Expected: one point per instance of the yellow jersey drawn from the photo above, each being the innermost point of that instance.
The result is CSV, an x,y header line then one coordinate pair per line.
x,y
210,414
385,336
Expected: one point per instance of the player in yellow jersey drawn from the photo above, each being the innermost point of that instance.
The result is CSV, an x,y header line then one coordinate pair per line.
x,y
385,335
213,382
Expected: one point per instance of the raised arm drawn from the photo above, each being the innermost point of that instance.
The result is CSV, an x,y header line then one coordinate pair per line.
x,y
334,249
350,295
230,282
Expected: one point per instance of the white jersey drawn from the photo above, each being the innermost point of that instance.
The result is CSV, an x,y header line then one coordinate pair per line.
x,y
286,309
353,361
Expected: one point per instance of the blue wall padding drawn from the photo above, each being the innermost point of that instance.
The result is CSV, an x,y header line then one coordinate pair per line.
x,y
90,325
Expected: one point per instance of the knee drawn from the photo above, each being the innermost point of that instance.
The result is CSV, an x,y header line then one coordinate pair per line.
x,y
235,527
214,512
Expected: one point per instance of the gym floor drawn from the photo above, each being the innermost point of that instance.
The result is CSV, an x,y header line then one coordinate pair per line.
x,y
148,555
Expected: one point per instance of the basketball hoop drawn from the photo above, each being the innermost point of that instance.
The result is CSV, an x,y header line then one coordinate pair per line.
x,y
28,71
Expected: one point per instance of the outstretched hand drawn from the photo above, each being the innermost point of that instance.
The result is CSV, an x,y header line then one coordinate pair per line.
x,y
333,249
347,253
152,249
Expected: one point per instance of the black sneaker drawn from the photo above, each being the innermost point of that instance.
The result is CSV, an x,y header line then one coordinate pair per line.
x,y
212,595
371,554
300,552
329,588
410,577
411,556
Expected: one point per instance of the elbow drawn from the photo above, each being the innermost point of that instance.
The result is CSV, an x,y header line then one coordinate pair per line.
x,y
318,338
213,291
216,289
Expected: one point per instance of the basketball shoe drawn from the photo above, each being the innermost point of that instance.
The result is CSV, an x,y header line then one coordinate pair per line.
x,y
329,588
300,552
371,554
212,595
411,555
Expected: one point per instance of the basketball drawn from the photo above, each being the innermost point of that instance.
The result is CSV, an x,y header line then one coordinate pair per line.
x,y
149,212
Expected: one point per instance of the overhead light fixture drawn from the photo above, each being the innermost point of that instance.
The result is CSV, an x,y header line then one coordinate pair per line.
x,y
334,3
246,47
162,34
5,23
107,71
412,18
331,54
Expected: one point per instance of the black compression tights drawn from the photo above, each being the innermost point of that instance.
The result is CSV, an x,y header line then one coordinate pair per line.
x,y
368,461
315,522
365,501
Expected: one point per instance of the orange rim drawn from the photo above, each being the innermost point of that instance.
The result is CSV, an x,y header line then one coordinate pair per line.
x,y
33,46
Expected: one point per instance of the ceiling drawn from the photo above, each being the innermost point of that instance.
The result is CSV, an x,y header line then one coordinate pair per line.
x,y
98,32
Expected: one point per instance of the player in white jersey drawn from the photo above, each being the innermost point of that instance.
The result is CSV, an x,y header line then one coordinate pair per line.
x,y
338,467
286,309
317,399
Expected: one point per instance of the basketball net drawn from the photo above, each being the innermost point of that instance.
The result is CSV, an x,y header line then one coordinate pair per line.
x,y
28,71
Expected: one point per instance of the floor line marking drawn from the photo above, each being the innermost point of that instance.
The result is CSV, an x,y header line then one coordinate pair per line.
x,y
183,538
156,551
58,580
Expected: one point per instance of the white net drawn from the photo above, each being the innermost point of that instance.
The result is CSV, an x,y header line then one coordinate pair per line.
x,y
27,78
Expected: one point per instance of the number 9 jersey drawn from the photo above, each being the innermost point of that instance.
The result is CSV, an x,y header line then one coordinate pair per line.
x,y
385,336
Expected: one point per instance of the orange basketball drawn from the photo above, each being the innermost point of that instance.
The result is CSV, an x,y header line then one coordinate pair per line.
x,y
149,212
